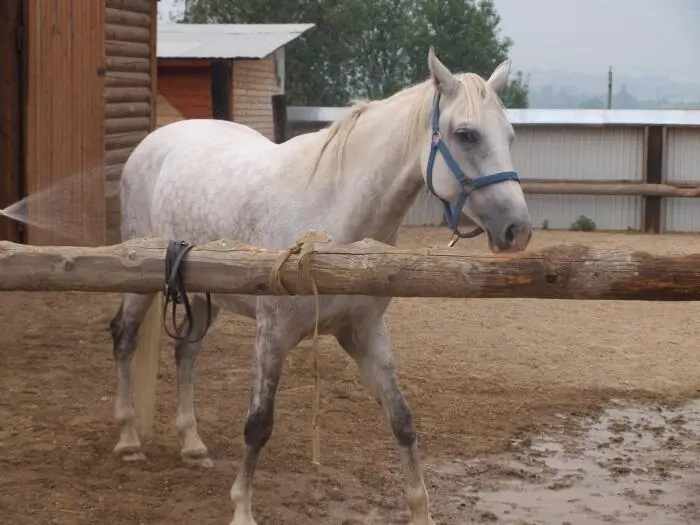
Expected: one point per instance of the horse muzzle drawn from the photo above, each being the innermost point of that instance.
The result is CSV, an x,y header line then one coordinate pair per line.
x,y
513,236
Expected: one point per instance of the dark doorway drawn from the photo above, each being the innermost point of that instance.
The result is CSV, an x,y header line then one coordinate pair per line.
x,y
221,89
12,46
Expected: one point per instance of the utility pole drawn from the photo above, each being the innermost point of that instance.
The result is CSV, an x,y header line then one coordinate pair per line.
x,y
610,87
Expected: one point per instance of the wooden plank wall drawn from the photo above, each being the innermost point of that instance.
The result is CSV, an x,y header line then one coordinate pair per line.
x,y
130,91
184,86
11,85
65,127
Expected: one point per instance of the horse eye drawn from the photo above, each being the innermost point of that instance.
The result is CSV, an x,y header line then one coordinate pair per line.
x,y
467,136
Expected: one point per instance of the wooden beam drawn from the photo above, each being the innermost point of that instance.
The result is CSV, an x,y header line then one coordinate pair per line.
x,y
365,268
608,188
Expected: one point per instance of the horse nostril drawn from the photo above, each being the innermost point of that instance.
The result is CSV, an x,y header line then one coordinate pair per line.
x,y
510,234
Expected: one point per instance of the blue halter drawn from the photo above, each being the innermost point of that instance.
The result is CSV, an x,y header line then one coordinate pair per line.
x,y
467,184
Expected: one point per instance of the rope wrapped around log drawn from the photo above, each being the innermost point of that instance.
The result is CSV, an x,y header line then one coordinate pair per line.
x,y
304,247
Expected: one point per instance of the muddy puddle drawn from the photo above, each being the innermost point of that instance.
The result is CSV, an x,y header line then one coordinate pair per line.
x,y
633,465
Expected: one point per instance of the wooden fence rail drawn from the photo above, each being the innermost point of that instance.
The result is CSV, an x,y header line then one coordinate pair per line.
x,y
367,268
635,189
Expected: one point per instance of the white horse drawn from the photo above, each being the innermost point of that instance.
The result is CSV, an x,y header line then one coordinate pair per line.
x,y
204,180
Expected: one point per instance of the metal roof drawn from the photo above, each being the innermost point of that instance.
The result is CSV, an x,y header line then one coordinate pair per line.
x,y
544,117
225,40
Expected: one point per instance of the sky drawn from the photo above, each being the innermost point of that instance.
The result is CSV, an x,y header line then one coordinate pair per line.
x,y
635,37
587,36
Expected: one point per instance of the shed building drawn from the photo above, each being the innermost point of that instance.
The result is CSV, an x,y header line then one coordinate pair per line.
x,y
227,71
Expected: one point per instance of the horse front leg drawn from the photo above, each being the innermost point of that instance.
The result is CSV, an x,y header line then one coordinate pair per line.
x,y
273,340
367,342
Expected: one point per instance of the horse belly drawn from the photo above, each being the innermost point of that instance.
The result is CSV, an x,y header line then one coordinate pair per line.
x,y
338,311
244,305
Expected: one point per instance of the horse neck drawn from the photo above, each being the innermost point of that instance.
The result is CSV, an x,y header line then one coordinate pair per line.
x,y
381,178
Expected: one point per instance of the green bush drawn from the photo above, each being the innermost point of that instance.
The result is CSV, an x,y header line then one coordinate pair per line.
x,y
583,223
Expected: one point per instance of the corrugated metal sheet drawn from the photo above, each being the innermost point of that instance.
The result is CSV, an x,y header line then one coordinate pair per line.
x,y
225,40
579,153
682,215
683,155
544,117
582,153
608,212
682,164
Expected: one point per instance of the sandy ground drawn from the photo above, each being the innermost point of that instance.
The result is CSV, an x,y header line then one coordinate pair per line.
x,y
529,412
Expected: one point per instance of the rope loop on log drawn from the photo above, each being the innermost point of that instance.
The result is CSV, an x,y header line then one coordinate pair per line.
x,y
304,246
176,292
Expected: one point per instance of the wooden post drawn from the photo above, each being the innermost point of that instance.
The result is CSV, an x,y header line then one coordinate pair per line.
x,y
12,47
362,268
221,89
653,174
279,117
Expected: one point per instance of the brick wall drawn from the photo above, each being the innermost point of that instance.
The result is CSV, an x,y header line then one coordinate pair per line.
x,y
254,83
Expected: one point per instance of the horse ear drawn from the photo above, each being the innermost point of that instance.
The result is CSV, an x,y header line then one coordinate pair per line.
x,y
442,77
499,78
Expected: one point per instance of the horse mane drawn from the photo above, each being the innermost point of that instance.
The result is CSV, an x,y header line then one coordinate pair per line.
x,y
474,91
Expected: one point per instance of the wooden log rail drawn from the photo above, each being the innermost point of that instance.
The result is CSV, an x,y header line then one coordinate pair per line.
x,y
367,268
635,189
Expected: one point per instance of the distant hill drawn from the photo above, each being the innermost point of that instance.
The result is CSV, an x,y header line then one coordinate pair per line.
x,y
561,89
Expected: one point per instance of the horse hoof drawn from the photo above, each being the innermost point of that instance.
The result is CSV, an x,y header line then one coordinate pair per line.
x,y
197,458
131,457
129,452
205,462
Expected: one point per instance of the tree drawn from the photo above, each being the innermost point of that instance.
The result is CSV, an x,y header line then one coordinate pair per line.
x,y
516,94
373,48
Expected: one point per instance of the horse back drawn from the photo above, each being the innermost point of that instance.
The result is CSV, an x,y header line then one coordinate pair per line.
x,y
144,165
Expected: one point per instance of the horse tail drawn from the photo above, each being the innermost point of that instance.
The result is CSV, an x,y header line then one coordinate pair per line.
x,y
145,365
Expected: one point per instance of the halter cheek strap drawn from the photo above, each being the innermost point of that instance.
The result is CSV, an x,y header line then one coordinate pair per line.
x,y
467,184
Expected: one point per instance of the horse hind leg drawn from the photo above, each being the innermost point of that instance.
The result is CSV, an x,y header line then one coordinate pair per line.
x,y
193,451
124,328
367,342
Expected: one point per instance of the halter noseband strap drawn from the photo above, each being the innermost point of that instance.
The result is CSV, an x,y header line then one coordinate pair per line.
x,y
467,184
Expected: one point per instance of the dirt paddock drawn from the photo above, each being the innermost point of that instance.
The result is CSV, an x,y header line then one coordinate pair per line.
x,y
528,412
